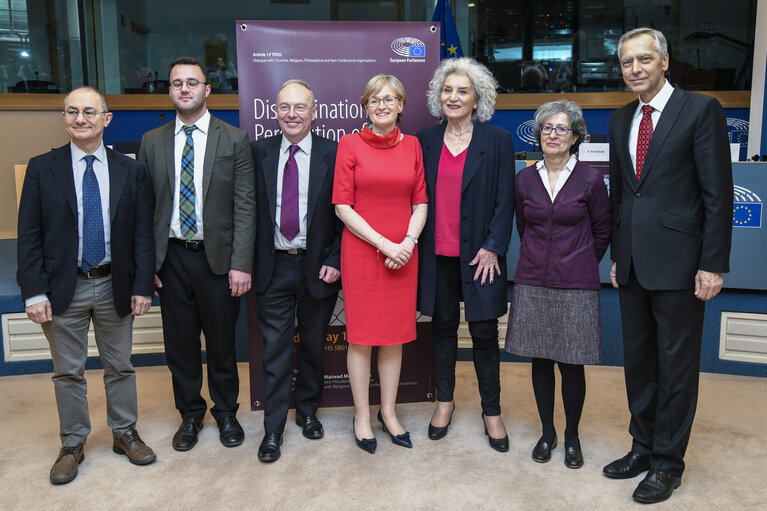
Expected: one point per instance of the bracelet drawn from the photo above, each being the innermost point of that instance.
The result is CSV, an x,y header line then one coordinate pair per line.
x,y
412,238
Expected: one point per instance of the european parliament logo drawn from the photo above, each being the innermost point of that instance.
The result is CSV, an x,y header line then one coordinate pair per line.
x,y
747,209
409,47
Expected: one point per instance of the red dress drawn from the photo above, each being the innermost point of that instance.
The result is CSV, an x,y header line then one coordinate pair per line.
x,y
381,185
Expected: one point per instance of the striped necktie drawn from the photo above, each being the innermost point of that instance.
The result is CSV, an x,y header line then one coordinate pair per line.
x,y
186,198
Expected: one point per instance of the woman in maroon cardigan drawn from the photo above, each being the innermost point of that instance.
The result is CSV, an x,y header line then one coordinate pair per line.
x,y
563,219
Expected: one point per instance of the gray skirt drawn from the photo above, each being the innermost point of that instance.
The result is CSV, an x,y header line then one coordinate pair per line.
x,y
557,324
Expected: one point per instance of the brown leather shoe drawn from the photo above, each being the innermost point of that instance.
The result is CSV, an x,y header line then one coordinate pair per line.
x,y
65,468
131,445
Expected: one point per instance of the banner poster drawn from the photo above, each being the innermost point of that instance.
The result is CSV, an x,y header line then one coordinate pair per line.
x,y
337,59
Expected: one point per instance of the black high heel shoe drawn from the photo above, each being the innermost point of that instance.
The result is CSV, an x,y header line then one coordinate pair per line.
x,y
435,432
499,444
366,444
402,440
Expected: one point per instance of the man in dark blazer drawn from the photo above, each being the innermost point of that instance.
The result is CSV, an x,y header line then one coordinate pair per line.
x,y
203,196
672,198
85,254
298,247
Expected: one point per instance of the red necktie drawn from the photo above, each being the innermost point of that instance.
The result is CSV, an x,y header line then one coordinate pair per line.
x,y
289,208
643,140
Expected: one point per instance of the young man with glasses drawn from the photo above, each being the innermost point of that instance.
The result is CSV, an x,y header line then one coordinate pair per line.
x,y
85,255
203,197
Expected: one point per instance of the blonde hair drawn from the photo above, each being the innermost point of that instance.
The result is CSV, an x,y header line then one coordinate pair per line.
x,y
377,83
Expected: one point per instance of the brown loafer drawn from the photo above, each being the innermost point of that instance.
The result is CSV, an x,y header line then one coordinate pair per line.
x,y
65,468
131,445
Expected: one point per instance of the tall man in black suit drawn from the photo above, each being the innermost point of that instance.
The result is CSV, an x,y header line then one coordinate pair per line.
x,y
85,254
671,192
203,195
298,247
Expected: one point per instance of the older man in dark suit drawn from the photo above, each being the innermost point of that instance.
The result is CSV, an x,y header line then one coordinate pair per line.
x,y
85,254
671,192
203,196
298,247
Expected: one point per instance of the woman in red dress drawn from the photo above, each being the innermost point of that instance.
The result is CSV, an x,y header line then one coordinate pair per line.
x,y
380,195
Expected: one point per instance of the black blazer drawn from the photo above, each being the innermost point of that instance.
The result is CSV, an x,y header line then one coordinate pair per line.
x,y
678,217
487,212
47,230
323,236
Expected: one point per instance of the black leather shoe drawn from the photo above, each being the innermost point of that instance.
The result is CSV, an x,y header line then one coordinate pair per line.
x,y
402,440
186,435
435,432
542,450
311,426
499,444
269,450
573,457
366,444
230,432
656,487
631,465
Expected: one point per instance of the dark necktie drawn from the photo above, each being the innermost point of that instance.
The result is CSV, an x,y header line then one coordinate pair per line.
x,y
289,208
93,219
643,140
186,201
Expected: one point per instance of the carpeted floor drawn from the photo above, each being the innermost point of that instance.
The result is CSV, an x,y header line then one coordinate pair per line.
x,y
725,461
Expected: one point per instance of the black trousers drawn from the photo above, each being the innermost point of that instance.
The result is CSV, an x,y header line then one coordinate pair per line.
x,y
662,333
195,299
286,298
484,337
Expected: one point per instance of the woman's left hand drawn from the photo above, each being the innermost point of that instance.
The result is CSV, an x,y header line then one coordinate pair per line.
x,y
487,264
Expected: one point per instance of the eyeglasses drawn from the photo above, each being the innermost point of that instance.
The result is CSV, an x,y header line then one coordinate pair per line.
x,y
191,83
88,113
388,101
299,109
546,129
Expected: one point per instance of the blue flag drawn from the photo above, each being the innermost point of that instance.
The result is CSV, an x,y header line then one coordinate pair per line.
x,y
747,214
450,44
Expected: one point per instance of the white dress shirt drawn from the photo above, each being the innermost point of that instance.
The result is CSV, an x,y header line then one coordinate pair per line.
x,y
101,169
561,180
302,157
200,138
658,103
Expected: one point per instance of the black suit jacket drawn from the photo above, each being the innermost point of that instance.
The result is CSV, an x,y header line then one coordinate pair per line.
x,y
47,230
487,213
323,230
678,217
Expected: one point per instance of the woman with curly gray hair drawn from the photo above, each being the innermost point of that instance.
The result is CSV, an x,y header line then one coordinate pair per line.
x,y
563,220
470,186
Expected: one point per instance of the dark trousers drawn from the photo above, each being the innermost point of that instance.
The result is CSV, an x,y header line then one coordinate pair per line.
x,y
662,333
484,338
193,298
286,298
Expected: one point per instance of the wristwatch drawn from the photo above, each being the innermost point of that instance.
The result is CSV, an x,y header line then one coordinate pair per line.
x,y
412,238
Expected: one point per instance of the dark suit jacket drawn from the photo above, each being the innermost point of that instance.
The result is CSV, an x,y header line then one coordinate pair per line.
x,y
678,217
487,212
47,230
228,194
323,230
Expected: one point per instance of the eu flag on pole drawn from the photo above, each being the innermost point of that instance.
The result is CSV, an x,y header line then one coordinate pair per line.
x,y
450,44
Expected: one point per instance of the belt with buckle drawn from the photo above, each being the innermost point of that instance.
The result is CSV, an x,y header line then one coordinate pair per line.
x,y
190,244
292,251
95,273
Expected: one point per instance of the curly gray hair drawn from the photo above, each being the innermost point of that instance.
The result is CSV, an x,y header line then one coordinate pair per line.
x,y
481,79
573,112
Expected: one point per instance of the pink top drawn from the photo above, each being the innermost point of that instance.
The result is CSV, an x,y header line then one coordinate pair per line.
x,y
447,203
